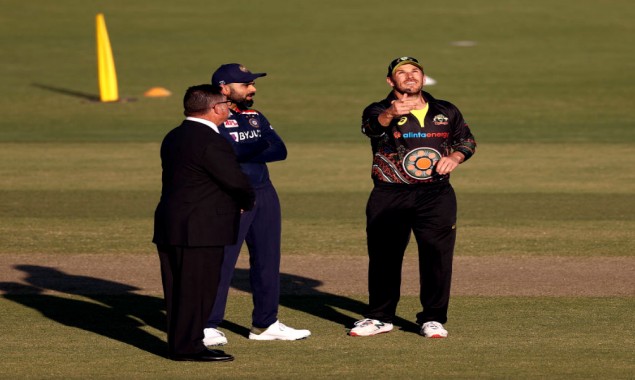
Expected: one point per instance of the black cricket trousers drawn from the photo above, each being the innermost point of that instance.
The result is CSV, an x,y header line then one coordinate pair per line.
x,y
393,211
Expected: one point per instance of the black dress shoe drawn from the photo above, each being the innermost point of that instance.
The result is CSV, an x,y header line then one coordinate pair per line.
x,y
204,356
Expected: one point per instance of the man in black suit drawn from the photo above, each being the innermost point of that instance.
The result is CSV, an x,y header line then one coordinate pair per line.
x,y
202,196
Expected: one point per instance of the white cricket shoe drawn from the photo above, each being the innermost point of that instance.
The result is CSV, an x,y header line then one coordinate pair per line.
x,y
278,331
368,327
433,330
213,337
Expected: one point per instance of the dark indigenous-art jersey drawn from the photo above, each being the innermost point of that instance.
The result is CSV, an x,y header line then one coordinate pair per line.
x,y
406,152
255,143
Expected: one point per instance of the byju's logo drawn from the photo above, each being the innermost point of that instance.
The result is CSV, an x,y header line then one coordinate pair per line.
x,y
242,136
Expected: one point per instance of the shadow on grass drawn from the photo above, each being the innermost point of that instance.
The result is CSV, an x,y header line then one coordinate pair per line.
x,y
65,91
109,309
302,294
78,94
113,310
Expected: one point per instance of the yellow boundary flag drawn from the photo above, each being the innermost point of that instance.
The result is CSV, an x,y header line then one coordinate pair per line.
x,y
108,90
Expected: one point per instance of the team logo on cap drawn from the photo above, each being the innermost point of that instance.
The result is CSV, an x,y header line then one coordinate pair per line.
x,y
243,69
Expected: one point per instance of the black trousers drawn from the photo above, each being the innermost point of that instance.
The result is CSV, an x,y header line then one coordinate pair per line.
x,y
190,280
393,212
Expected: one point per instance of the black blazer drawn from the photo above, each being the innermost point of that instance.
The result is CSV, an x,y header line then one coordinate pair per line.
x,y
203,189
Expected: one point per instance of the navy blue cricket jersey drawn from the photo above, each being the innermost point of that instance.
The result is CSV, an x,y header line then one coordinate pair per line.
x,y
255,143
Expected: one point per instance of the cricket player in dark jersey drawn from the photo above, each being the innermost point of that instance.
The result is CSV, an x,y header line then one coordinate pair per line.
x,y
255,143
417,141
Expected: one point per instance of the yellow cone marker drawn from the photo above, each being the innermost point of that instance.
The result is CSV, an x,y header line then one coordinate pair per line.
x,y
108,90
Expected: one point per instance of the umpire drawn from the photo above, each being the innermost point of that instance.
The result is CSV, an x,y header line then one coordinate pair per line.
x,y
416,141
203,192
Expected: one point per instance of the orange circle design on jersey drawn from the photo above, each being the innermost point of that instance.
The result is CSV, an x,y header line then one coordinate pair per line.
x,y
424,163
419,163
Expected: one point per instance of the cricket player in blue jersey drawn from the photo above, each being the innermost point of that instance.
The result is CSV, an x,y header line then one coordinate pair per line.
x,y
255,143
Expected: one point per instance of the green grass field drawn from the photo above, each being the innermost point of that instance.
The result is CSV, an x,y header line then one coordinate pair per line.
x,y
492,337
548,91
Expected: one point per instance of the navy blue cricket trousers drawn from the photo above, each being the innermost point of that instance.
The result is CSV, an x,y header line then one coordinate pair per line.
x,y
261,229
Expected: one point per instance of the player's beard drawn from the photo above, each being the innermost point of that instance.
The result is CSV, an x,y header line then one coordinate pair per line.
x,y
410,89
241,102
245,104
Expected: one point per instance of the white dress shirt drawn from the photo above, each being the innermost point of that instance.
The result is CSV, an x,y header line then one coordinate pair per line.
x,y
206,122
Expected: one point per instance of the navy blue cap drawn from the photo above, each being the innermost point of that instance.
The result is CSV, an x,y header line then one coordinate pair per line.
x,y
234,73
